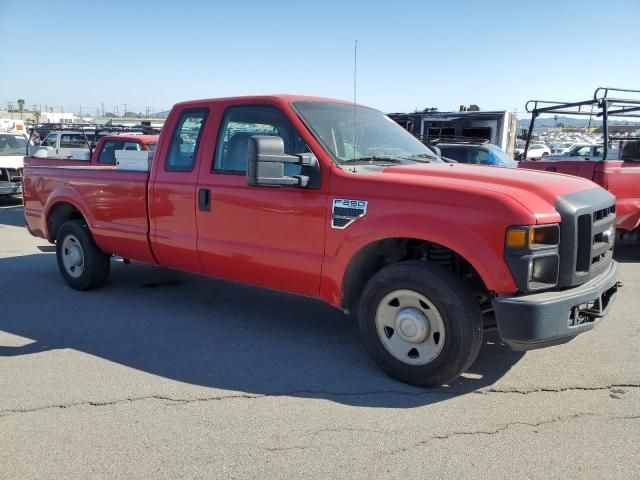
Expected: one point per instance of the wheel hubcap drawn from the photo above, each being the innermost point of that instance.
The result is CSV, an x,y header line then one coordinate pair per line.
x,y
410,327
72,256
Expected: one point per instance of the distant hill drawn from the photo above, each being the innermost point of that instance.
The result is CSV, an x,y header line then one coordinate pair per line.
x,y
160,114
571,122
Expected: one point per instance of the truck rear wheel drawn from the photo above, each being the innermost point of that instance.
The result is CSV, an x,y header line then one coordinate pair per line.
x,y
82,264
420,323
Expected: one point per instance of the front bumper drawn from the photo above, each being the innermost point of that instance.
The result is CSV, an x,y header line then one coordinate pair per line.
x,y
549,318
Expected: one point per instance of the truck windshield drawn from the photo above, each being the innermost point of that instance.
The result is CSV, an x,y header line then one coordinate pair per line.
x,y
12,145
352,133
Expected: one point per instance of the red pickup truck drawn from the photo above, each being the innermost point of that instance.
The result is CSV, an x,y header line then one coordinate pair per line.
x,y
332,200
615,164
103,153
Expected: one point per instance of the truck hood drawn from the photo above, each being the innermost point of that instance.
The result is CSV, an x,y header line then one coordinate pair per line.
x,y
537,191
12,161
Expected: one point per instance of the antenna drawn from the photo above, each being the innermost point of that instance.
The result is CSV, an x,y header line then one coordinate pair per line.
x,y
355,91
355,71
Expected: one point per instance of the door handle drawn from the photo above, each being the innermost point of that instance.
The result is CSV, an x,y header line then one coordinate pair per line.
x,y
204,200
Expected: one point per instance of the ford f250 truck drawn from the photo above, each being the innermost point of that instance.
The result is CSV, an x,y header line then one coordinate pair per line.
x,y
614,165
332,200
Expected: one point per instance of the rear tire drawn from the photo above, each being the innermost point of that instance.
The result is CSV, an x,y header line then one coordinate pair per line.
x,y
420,323
82,264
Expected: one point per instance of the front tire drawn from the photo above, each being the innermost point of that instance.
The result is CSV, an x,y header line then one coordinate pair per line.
x,y
82,264
420,323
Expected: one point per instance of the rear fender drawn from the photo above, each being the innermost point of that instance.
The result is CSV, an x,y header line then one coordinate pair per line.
x,y
66,194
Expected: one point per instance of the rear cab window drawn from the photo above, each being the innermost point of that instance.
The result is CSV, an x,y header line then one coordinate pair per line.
x,y
183,149
454,153
107,153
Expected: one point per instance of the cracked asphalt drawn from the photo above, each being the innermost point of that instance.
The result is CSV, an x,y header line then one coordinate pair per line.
x,y
165,375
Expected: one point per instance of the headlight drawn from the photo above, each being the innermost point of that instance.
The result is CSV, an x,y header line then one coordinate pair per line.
x,y
532,253
533,237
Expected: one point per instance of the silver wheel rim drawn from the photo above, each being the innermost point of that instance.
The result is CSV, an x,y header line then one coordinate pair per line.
x,y
72,256
410,327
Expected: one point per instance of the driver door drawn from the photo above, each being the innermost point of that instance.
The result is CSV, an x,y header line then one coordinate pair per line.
x,y
267,236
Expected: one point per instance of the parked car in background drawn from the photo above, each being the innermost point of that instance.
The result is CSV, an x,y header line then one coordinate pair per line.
x,y
476,154
560,148
13,148
538,150
584,151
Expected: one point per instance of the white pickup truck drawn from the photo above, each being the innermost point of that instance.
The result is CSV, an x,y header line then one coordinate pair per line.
x,y
13,148
66,144
585,151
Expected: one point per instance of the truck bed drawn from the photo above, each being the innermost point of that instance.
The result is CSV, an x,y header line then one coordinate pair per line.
x,y
114,203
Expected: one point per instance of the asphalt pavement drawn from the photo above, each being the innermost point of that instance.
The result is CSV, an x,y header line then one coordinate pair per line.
x,y
165,375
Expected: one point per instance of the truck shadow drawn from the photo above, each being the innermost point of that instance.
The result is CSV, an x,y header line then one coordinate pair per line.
x,y
215,334
12,212
627,250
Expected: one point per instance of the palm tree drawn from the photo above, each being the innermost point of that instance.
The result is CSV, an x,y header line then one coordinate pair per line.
x,y
21,106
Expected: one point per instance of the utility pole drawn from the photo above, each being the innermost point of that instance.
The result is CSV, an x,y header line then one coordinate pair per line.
x,y
125,111
102,104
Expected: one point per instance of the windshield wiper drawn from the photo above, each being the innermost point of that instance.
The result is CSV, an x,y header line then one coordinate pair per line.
x,y
421,157
372,159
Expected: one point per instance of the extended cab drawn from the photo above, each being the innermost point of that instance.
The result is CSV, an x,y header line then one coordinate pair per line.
x,y
332,200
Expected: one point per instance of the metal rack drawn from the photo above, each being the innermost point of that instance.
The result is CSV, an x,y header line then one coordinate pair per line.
x,y
601,105
97,129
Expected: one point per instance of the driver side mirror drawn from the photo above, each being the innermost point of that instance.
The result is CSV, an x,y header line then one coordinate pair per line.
x,y
266,161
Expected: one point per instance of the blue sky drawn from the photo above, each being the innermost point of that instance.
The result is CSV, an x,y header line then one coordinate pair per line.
x,y
496,54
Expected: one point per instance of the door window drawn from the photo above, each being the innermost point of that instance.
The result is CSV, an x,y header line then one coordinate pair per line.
x,y
73,140
50,141
241,123
185,141
581,152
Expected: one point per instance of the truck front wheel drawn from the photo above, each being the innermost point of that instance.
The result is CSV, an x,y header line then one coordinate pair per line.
x,y
82,264
420,323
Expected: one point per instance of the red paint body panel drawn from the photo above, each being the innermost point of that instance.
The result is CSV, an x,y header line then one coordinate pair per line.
x,y
621,178
281,238
172,206
114,204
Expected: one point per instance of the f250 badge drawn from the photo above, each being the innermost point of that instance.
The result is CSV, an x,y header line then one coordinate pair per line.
x,y
346,211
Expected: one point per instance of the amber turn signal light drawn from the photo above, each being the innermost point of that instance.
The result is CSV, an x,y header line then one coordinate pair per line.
x,y
516,238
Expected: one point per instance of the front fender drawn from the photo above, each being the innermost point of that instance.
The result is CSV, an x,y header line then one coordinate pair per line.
x,y
480,241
